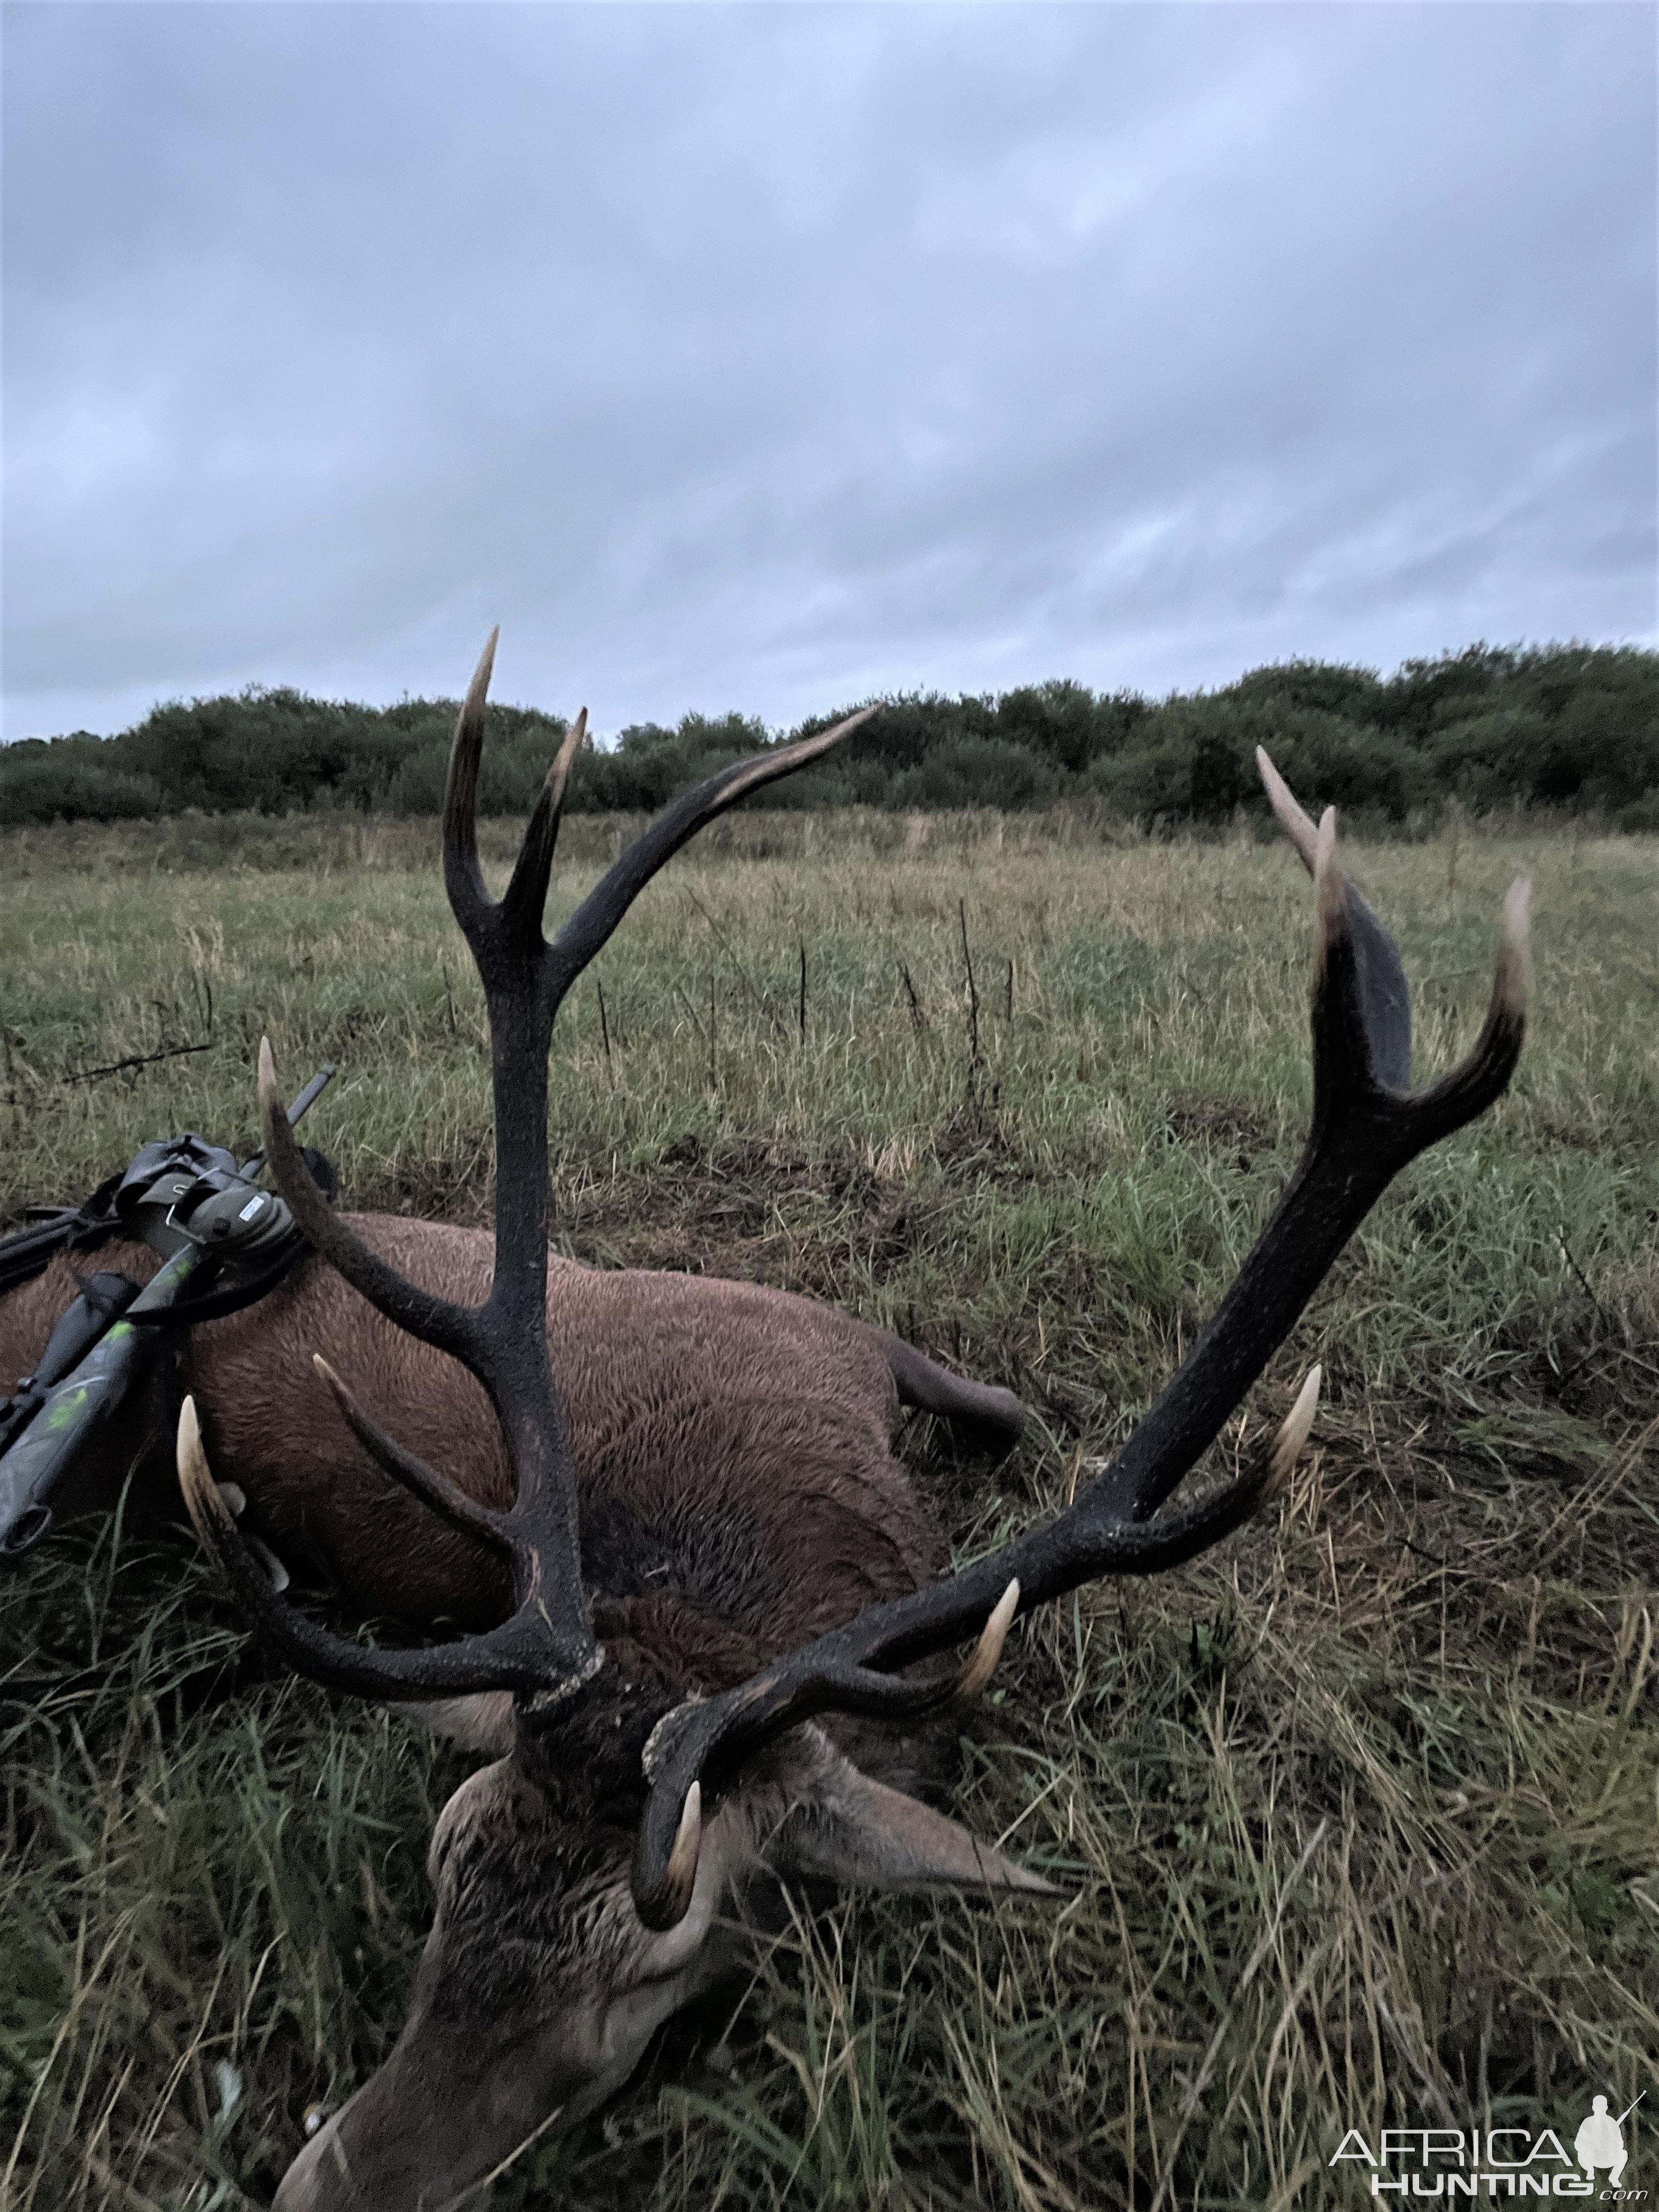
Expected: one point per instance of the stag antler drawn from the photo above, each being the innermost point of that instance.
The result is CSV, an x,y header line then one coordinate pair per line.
x,y
1366,1126
546,1648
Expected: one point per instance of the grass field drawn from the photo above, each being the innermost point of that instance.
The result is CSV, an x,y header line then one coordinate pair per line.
x,y
1359,1815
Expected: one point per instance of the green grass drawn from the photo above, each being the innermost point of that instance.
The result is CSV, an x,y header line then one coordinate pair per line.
x,y
1359,1815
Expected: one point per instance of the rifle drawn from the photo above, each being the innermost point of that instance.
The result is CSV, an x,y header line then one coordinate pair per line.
x,y
223,1243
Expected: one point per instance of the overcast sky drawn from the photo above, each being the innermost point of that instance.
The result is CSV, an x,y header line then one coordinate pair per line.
x,y
769,357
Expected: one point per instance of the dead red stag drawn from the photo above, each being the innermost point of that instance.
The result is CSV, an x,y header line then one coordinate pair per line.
x,y
686,1713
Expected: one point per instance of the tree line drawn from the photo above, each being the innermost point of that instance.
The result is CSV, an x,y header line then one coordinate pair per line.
x,y
1565,726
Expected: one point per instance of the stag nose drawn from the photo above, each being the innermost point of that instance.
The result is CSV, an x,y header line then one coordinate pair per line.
x,y
432,2123
305,2187
351,2165
362,2160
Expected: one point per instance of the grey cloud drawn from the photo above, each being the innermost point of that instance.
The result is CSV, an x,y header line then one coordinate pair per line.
x,y
772,357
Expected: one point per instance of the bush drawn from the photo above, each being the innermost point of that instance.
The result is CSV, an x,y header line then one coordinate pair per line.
x,y
49,787
975,772
1560,725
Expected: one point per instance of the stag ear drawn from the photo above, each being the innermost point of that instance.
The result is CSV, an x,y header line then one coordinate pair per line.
x,y
845,1827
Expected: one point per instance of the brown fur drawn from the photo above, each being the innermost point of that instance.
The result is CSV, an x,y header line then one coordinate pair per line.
x,y
737,1495
732,1441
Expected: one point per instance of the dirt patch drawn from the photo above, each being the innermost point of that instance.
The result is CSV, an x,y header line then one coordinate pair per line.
x,y
1503,1543
978,1140
1226,1123
752,1211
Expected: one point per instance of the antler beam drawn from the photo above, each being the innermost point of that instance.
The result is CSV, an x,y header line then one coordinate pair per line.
x,y
546,1648
1366,1126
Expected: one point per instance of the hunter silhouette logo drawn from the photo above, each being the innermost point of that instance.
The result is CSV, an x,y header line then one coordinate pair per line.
x,y
1601,2141
1450,2163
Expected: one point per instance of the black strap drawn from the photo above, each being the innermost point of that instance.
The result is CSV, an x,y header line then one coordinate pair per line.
x,y
53,1228
225,1297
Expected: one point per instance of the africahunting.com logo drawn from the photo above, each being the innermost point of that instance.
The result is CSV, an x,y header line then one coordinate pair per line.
x,y
1497,2162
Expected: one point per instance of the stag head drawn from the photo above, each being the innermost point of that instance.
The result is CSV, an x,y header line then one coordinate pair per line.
x,y
659,1774
540,1986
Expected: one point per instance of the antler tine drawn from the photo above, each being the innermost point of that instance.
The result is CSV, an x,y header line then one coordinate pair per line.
x,y
1380,976
511,1657
463,877
1463,1091
980,1668
1365,1128
1294,1431
436,1320
526,894
422,1481
1297,825
594,919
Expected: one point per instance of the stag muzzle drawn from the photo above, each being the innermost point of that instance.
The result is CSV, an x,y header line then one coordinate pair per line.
x,y
435,2124
452,2107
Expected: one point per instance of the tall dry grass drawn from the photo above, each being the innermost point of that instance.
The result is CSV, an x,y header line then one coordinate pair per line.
x,y
1358,1815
